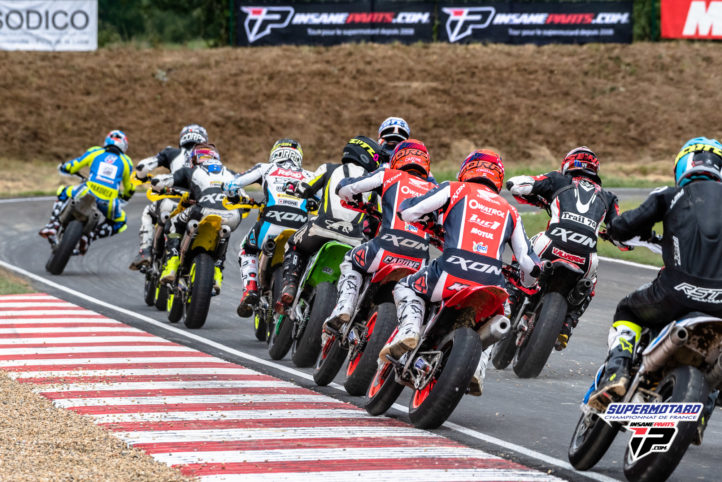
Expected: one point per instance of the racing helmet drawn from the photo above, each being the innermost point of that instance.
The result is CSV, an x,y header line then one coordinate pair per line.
x,y
286,153
191,135
581,159
206,156
699,158
118,139
483,166
411,155
393,130
365,152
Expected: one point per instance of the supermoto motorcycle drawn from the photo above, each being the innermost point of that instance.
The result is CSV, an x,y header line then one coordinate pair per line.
x,y
439,370
300,330
537,316
190,294
80,215
683,364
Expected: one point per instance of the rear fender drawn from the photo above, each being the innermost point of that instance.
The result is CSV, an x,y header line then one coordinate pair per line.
x,y
392,273
207,233
281,246
561,276
484,300
325,266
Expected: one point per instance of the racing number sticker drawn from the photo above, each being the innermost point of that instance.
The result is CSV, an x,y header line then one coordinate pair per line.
x,y
107,171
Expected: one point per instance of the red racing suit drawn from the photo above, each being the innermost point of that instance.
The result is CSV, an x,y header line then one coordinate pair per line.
x,y
478,223
397,242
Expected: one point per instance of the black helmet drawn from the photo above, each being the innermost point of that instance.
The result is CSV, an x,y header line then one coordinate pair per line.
x,y
365,152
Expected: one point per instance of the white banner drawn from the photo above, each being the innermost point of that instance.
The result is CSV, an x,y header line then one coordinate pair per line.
x,y
48,24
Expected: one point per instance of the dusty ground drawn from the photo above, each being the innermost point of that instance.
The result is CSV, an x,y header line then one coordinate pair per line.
x,y
631,103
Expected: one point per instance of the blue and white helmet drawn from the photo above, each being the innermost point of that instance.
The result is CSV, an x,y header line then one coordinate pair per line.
x,y
118,139
699,158
191,135
394,130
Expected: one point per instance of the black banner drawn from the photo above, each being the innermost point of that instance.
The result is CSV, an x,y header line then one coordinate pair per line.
x,y
267,22
539,23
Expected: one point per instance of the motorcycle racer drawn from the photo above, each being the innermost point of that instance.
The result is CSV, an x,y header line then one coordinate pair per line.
x,y
477,223
108,180
361,155
397,241
203,178
691,279
173,159
578,206
392,131
282,211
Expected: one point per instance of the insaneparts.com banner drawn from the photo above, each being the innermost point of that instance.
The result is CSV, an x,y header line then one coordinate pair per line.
x,y
48,25
539,23
700,19
271,23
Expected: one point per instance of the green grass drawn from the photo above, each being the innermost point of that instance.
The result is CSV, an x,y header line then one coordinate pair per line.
x,y
11,284
537,221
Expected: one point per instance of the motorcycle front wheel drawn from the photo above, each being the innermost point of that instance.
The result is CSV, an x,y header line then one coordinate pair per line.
x,y
434,403
64,250
201,281
149,289
591,439
308,345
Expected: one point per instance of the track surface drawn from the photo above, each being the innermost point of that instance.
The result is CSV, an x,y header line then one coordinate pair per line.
x,y
537,414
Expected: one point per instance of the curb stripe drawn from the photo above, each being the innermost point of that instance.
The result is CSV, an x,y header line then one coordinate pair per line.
x,y
276,422
129,365
147,378
218,407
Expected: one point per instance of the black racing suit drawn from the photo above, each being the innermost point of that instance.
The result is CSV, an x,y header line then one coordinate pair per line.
x,y
334,222
691,279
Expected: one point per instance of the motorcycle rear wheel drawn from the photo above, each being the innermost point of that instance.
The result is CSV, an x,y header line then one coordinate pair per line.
x,y
362,368
61,255
503,352
149,289
201,290
329,362
684,384
161,297
433,404
309,344
534,353
591,439
174,302
281,334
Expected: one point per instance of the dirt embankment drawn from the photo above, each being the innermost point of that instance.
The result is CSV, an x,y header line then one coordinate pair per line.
x,y
631,103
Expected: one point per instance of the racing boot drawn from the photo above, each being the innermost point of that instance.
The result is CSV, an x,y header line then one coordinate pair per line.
x,y
291,273
217,280
348,288
50,231
249,275
616,377
141,260
410,310
83,244
476,386
170,270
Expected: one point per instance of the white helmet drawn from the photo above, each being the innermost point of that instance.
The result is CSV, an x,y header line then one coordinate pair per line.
x,y
191,135
394,129
286,153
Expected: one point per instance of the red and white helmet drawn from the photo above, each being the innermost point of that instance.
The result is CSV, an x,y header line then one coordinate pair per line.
x,y
483,166
411,155
581,159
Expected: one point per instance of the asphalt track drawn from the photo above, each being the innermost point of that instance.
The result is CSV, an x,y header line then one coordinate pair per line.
x,y
529,421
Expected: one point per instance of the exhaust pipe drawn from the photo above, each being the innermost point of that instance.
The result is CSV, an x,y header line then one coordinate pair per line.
x,y
656,359
581,290
494,330
714,376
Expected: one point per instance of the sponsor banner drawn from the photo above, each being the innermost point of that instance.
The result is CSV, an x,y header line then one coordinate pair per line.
x,y
539,23
691,19
48,25
274,23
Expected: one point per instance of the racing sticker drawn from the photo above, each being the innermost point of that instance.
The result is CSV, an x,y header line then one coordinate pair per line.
x,y
700,19
539,23
266,22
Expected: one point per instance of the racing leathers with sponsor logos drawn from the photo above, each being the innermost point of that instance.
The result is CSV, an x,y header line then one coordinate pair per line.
x,y
578,206
397,242
691,279
477,224
334,220
204,180
282,211
108,181
173,159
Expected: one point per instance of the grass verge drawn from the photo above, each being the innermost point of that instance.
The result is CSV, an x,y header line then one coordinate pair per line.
x,y
537,221
12,285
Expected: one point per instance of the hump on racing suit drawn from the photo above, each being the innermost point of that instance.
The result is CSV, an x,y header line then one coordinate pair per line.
x,y
477,224
110,171
394,187
577,205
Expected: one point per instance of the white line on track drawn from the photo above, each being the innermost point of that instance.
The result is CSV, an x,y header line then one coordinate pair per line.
x,y
103,361
458,428
629,263
93,349
133,372
441,475
186,399
26,199
275,414
182,385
